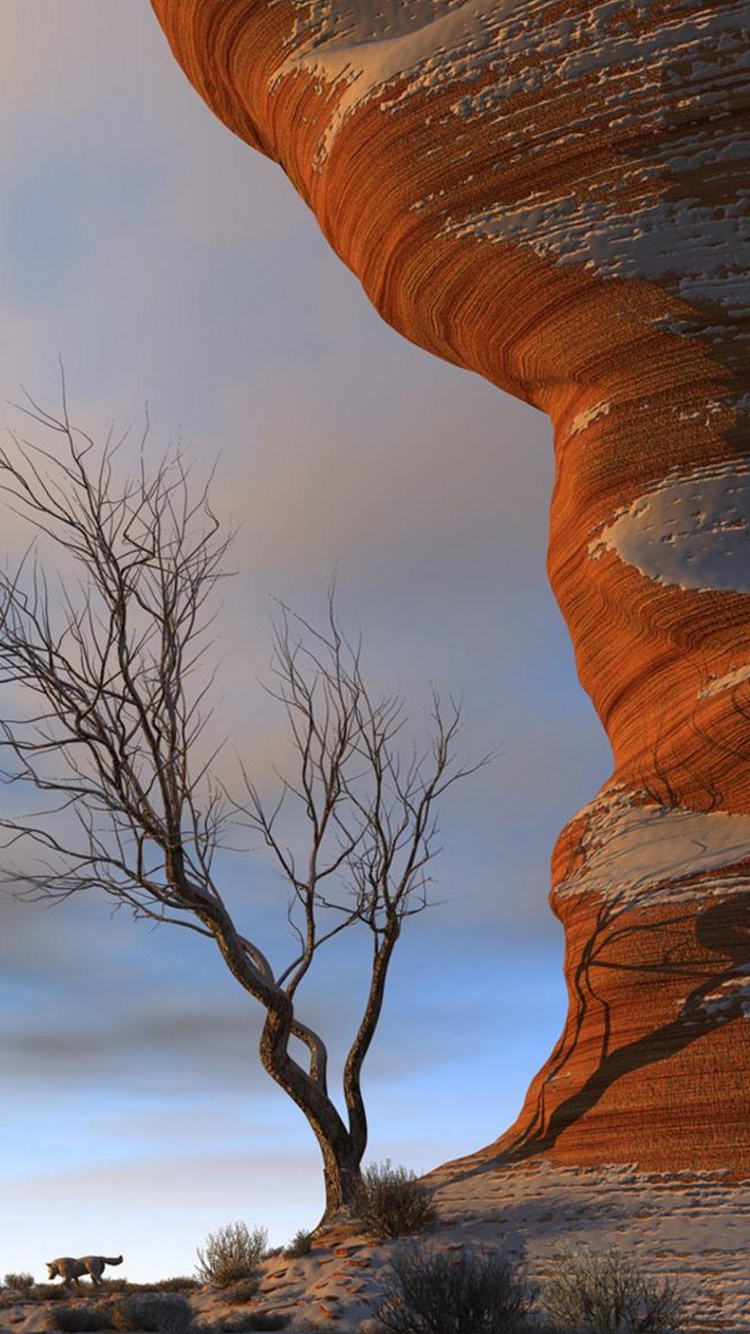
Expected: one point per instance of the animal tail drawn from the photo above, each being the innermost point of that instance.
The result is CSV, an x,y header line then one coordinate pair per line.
x,y
116,1261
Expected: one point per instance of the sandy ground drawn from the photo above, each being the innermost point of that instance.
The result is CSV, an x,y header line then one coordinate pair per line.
x,y
694,1228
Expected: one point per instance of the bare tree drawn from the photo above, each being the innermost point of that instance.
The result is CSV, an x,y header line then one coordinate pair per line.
x,y
112,746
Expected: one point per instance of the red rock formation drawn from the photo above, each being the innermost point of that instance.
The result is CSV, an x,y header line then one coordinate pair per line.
x,y
554,193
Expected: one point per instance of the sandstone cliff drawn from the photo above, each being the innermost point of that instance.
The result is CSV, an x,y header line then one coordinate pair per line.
x,y
554,193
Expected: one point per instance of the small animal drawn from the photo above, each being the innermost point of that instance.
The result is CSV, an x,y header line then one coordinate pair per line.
x,y
70,1270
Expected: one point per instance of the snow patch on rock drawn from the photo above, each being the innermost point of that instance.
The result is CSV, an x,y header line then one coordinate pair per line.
x,y
584,419
729,999
717,685
365,45
690,532
638,855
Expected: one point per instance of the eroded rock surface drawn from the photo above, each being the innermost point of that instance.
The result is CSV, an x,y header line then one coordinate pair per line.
x,y
554,193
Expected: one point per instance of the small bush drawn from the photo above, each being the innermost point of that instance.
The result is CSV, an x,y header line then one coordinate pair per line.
x,y
608,1294
84,1319
231,1254
301,1244
154,1312
48,1292
392,1202
253,1320
244,1291
178,1284
431,1292
22,1282
181,1283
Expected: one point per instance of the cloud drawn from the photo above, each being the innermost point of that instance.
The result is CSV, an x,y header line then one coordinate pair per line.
x,y
164,1047
146,1182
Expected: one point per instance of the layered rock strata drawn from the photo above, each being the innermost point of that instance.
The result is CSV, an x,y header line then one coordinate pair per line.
x,y
554,193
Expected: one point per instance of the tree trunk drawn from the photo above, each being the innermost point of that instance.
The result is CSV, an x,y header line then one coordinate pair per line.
x,y
342,1147
341,1157
343,1178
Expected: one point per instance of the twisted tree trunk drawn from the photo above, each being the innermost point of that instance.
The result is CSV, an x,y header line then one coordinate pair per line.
x,y
554,194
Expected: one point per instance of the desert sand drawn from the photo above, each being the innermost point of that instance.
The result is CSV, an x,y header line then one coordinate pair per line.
x,y
692,1227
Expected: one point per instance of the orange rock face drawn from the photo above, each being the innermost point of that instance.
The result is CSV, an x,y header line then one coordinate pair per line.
x,y
554,193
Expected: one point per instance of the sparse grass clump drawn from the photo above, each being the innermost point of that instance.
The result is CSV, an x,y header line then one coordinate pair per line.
x,y
153,1312
231,1254
301,1244
180,1283
21,1283
392,1202
48,1292
81,1319
438,1292
609,1294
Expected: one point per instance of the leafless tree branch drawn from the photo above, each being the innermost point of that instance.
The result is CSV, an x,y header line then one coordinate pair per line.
x,y
109,649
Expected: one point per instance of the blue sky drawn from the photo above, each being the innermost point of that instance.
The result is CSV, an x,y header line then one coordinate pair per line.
x,y
166,262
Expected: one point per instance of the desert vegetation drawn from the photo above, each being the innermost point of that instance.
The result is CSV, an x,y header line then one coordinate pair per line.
x,y
608,1293
156,1313
232,1256
438,1292
425,1286
21,1283
429,1291
393,1202
301,1244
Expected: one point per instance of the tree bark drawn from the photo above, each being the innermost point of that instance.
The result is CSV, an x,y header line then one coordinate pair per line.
x,y
341,1154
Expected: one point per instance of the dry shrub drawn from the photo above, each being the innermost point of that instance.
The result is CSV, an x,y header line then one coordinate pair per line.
x,y
48,1292
392,1202
82,1319
22,1283
153,1312
609,1294
438,1292
178,1284
231,1254
301,1244
244,1291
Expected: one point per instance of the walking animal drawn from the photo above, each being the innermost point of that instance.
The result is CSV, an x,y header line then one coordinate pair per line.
x,y
70,1270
